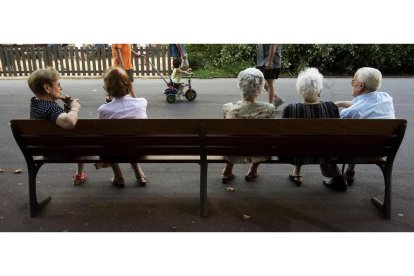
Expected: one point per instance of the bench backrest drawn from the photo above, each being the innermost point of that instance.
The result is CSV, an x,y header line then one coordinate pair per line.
x,y
277,137
304,137
121,137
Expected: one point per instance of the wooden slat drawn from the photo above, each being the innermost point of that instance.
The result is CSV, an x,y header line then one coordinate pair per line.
x,y
305,126
65,52
31,58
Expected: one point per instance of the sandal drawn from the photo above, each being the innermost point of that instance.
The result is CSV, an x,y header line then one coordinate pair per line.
x,y
79,178
251,176
143,181
226,179
297,179
118,182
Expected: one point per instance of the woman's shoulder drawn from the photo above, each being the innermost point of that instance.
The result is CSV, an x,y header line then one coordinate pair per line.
x,y
140,100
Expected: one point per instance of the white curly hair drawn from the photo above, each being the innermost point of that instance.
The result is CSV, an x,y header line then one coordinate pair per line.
x,y
250,83
309,84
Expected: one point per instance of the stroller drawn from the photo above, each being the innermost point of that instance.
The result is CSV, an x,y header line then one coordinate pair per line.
x,y
171,93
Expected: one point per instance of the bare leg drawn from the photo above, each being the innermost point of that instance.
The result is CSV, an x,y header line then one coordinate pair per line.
x,y
252,173
80,168
139,174
181,89
253,168
228,169
79,176
295,176
117,171
227,174
118,179
296,170
271,90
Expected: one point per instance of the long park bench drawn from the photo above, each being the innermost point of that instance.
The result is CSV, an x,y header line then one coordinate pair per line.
x,y
205,141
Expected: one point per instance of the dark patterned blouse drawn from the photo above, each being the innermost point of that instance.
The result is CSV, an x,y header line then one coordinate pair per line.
x,y
41,109
319,110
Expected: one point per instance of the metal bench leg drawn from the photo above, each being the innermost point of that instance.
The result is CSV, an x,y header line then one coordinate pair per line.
x,y
203,171
35,206
385,206
203,189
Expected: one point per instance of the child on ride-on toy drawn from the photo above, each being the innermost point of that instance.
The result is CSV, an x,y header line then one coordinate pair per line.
x,y
176,76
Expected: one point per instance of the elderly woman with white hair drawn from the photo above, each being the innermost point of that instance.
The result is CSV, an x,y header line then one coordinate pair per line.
x,y
309,85
368,103
250,83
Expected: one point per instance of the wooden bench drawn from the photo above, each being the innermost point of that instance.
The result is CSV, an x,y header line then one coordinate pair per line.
x,y
205,141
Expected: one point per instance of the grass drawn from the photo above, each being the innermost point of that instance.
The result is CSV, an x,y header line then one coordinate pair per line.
x,y
212,73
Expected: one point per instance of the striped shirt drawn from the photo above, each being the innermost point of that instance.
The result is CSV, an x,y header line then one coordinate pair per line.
x,y
319,110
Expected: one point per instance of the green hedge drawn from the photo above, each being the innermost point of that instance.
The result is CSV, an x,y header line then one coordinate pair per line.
x,y
226,60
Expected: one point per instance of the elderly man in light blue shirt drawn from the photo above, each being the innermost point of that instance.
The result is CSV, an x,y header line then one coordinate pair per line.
x,y
368,103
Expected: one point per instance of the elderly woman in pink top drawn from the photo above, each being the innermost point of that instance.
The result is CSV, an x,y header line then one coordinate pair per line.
x,y
124,105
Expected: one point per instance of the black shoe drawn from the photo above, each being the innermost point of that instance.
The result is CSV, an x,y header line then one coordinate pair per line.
x,y
337,183
349,177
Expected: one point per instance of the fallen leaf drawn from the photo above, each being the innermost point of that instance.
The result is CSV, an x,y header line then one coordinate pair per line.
x,y
231,189
2,170
18,171
401,215
94,90
246,217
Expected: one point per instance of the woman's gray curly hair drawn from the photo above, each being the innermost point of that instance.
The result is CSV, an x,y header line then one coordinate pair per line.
x,y
309,84
250,82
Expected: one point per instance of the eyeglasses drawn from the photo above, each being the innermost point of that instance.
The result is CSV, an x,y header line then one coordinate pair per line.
x,y
56,84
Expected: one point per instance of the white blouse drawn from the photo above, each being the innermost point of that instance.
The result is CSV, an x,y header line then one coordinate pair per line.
x,y
125,107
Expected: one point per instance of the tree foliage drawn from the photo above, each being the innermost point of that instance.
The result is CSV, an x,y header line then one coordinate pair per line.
x,y
330,59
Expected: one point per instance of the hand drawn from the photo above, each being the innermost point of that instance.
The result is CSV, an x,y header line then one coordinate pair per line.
x,y
66,99
75,104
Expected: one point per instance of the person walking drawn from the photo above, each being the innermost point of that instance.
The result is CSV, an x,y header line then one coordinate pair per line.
x,y
269,62
122,57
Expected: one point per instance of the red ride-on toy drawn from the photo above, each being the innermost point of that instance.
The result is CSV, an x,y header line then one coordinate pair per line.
x,y
171,93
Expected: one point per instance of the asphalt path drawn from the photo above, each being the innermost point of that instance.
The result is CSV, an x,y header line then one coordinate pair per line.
x,y
170,200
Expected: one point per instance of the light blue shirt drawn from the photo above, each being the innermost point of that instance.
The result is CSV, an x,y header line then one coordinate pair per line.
x,y
373,105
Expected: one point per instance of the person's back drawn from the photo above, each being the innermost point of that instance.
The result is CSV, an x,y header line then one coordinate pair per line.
x,y
248,110
373,105
125,107
323,109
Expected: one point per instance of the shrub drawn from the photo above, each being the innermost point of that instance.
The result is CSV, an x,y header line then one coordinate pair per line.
x,y
330,59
